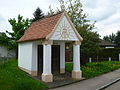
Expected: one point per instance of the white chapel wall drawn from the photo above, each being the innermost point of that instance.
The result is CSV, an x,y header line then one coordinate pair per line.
x,y
25,55
64,31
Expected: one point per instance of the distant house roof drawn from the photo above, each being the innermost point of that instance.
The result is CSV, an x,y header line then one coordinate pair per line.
x,y
40,29
106,43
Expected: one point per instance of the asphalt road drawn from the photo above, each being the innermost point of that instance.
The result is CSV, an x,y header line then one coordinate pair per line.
x,y
115,86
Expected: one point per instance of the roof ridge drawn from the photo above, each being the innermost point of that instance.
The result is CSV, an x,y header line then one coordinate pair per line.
x,y
47,16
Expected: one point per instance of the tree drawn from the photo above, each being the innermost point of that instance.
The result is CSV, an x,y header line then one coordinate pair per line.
x,y
117,39
90,44
18,28
4,40
111,38
38,14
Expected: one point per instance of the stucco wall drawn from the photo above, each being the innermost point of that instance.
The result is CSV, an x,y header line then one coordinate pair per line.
x,y
27,56
4,52
64,31
34,56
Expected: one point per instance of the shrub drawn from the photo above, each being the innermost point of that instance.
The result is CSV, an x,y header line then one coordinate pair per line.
x,y
95,68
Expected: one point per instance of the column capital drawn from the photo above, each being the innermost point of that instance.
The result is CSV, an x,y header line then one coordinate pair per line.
x,y
50,42
77,43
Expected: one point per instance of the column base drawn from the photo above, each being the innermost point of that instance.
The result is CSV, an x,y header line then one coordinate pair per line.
x,y
47,77
62,70
76,74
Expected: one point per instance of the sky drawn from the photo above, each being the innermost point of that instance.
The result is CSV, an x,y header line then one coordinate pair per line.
x,y
105,12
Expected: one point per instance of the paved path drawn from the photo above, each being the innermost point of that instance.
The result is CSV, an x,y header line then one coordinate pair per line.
x,y
115,86
93,83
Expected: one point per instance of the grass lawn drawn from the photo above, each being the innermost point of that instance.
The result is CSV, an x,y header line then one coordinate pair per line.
x,y
11,78
95,68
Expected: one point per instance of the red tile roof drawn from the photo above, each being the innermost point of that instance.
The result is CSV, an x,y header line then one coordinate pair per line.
x,y
40,29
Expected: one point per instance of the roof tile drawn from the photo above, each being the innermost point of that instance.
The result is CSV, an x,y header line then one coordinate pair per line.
x,y
40,29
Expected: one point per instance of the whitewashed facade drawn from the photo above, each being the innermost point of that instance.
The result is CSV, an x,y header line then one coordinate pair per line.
x,y
63,32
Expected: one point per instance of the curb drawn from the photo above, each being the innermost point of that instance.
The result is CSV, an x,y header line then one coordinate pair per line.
x,y
108,84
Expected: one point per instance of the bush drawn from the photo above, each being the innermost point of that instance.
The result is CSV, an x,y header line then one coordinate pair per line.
x,y
95,68
109,52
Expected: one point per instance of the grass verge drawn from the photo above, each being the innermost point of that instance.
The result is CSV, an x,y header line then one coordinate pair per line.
x,y
12,78
95,68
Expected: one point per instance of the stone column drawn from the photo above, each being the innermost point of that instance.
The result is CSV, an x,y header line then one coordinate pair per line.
x,y
76,73
62,57
47,75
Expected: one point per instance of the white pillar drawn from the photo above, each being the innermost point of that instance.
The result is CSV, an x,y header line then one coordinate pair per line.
x,y
119,56
62,57
47,75
109,58
76,57
90,59
76,73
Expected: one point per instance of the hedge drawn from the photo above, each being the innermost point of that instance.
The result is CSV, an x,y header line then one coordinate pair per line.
x,y
109,52
102,55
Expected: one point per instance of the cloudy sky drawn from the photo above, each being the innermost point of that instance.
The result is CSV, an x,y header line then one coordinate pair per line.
x,y
105,12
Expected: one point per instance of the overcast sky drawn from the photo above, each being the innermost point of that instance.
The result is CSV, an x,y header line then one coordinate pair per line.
x,y
105,12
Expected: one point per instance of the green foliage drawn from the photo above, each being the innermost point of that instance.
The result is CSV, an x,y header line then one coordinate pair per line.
x,y
117,39
69,67
79,19
111,38
95,68
4,39
114,38
109,52
38,14
18,28
12,78
90,44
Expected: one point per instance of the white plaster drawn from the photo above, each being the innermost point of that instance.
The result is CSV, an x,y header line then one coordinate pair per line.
x,y
4,52
119,56
76,57
57,35
109,47
25,55
62,55
90,59
109,58
46,59
34,57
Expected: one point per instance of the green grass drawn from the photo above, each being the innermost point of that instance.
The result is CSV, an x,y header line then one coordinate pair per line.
x,y
12,78
1,61
95,68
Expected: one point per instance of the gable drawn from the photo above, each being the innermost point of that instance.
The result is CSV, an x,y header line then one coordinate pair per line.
x,y
64,31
